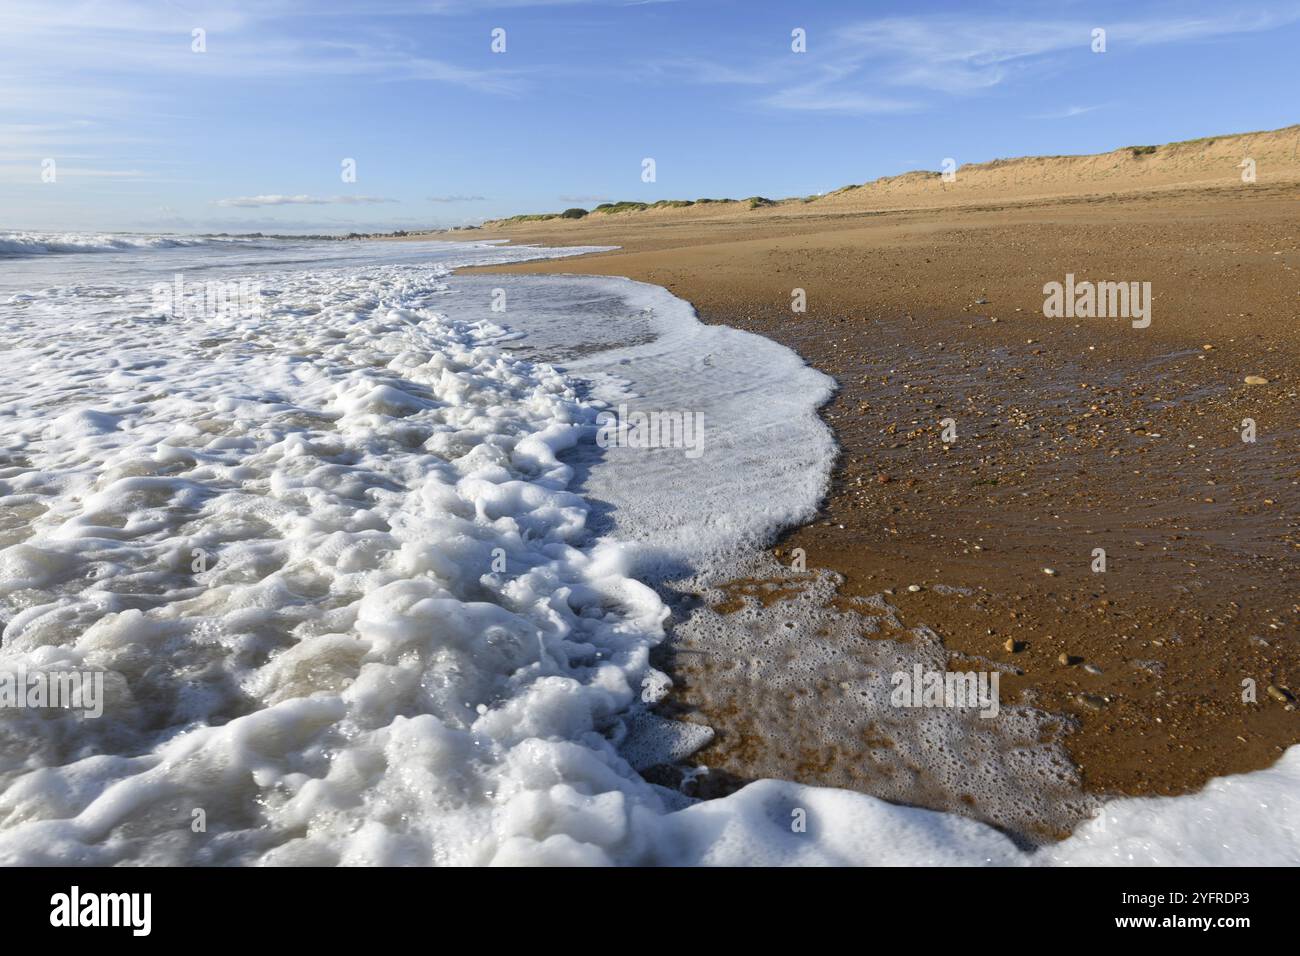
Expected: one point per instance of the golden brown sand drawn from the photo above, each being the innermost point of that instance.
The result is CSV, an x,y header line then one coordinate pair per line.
x,y
925,301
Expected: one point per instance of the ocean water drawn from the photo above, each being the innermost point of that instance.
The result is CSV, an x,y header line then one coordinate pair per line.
x,y
366,585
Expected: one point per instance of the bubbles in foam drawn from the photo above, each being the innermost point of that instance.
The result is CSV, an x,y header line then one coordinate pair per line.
x,y
345,678
800,685
278,535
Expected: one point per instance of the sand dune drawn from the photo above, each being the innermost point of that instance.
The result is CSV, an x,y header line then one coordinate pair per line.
x,y
1210,162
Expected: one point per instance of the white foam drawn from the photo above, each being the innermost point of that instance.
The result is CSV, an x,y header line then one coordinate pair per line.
x,y
766,456
352,677
1248,820
20,244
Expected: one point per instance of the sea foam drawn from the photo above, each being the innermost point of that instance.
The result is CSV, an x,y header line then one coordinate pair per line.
x,y
364,591
23,244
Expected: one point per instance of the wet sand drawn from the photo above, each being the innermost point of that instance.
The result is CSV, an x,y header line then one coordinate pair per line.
x,y
1071,435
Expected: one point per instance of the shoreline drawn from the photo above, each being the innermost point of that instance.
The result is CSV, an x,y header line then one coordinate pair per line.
x,y
1078,436
731,648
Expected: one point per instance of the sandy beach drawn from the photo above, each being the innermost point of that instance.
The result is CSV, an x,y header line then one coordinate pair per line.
x,y
644,435
925,301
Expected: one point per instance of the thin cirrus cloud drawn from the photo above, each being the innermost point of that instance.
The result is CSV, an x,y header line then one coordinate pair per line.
x,y
693,70
252,202
44,43
964,54
31,173
824,97
104,54
967,54
901,64
1067,113
456,198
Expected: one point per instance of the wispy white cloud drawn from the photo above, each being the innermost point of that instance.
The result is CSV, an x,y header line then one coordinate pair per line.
x,y
170,221
456,198
902,64
966,54
273,199
78,58
59,138
1067,113
66,173
823,97
696,70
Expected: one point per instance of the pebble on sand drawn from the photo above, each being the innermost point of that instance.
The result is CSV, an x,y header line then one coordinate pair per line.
x,y
1280,694
1256,380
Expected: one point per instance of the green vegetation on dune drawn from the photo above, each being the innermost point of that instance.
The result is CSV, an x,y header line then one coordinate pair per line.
x,y
608,208
611,207
538,217
908,178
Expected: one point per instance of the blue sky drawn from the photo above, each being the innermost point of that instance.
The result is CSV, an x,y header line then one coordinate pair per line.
x,y
251,134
